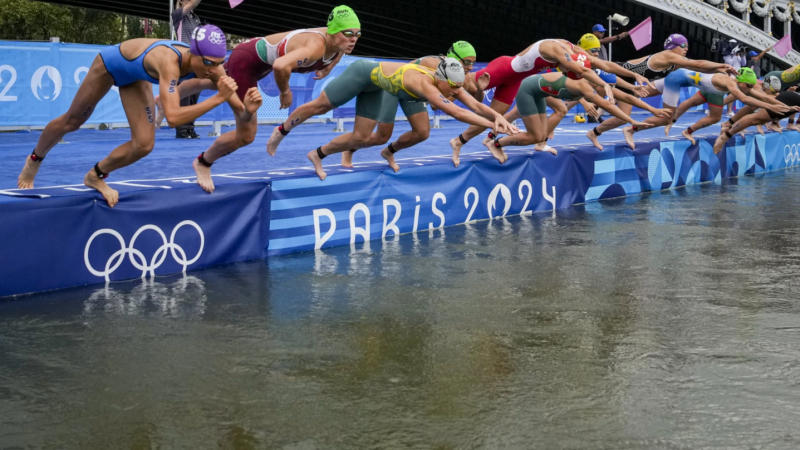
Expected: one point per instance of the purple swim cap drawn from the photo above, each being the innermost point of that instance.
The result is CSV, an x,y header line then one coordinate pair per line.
x,y
675,40
208,40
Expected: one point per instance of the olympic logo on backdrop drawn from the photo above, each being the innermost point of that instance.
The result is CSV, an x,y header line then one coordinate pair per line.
x,y
137,258
791,154
46,83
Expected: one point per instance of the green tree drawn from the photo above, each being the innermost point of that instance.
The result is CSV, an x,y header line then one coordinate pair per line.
x,y
27,20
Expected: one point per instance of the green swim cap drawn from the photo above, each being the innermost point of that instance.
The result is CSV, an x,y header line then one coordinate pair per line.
x,y
461,49
747,76
342,18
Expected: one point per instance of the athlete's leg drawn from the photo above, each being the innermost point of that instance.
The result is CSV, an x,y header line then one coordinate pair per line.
x,y
381,135
608,124
474,130
420,130
714,116
695,100
93,88
139,106
791,124
243,135
536,131
650,122
759,117
354,81
614,122
362,129
747,109
319,105
559,112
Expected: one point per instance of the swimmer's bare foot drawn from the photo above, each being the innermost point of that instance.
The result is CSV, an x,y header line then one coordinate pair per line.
x,y
543,147
274,140
347,158
628,133
688,136
389,157
772,126
667,127
28,173
455,145
719,143
203,173
496,151
93,181
593,138
760,129
317,162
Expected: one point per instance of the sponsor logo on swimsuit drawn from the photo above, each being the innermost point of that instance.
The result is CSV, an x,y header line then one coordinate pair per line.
x,y
137,257
549,90
46,83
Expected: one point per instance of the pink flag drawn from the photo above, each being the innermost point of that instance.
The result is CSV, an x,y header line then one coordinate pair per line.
x,y
783,46
235,3
642,34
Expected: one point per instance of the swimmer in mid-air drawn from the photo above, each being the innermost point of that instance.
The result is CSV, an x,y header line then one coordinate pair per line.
x,y
367,80
132,66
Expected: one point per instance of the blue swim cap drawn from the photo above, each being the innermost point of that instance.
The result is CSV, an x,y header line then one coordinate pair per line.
x,y
609,78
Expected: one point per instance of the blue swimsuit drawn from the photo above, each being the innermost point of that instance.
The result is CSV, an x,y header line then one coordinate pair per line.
x,y
127,71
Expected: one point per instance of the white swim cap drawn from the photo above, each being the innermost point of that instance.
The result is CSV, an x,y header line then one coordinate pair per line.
x,y
450,69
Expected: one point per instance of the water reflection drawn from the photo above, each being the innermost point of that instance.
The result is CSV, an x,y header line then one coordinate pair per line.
x,y
184,298
663,321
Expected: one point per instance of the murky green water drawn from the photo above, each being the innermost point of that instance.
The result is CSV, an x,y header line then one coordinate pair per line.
x,y
667,321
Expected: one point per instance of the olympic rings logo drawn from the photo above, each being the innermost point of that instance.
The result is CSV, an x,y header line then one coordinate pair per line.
x,y
137,258
791,154
216,38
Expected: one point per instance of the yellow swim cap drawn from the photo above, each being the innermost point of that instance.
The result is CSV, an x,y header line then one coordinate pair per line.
x,y
589,41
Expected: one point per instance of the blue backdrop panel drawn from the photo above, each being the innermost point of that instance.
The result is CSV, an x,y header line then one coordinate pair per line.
x,y
66,241
350,208
38,81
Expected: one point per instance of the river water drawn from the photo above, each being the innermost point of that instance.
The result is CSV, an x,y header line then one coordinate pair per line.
x,y
670,320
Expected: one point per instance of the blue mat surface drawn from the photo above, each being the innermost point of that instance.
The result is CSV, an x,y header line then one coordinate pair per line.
x,y
171,158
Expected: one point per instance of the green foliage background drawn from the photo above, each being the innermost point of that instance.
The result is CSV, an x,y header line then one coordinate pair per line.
x,y
23,20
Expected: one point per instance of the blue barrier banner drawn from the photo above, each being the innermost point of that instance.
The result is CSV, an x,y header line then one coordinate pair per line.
x,y
75,240
351,208
39,79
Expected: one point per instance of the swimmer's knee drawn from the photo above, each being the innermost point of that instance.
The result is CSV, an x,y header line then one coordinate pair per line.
x,y
72,122
245,138
142,148
421,135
